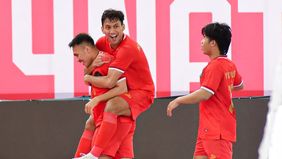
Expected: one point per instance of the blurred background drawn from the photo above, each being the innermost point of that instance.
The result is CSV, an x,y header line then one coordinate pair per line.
x,y
42,92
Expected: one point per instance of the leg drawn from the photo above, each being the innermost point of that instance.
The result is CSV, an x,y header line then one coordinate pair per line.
x,y
130,105
200,151
105,157
125,150
118,106
200,157
121,144
219,148
124,133
89,124
85,141
213,149
114,107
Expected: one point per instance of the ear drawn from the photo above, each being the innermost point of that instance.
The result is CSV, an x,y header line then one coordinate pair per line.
x,y
86,49
213,43
123,27
102,29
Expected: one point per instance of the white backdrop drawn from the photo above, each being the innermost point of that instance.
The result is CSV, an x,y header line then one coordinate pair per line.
x,y
35,61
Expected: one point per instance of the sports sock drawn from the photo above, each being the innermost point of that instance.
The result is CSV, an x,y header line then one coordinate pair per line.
x,y
84,145
124,126
107,130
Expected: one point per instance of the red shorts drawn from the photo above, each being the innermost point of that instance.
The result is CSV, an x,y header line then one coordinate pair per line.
x,y
121,144
214,149
138,101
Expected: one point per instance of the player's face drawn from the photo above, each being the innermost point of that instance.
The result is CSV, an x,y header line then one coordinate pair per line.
x,y
113,30
206,45
82,54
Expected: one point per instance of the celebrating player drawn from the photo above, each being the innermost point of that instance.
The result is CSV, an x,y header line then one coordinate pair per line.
x,y
84,49
130,61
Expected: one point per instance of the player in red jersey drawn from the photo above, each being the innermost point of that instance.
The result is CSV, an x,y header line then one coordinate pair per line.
x,y
131,62
120,145
217,121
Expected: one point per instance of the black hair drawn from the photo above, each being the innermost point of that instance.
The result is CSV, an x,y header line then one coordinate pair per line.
x,y
82,38
221,33
112,15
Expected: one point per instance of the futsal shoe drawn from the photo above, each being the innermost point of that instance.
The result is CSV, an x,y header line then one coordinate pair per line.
x,y
81,154
88,156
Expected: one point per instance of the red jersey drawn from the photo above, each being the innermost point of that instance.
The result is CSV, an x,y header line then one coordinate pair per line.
x,y
130,60
95,91
217,114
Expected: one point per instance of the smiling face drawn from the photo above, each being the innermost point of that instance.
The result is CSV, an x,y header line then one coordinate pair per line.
x,y
84,54
113,30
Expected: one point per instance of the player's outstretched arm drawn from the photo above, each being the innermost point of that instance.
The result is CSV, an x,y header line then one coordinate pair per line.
x,y
192,98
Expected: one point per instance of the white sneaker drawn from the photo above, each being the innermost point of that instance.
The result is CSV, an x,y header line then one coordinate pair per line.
x,y
88,156
81,154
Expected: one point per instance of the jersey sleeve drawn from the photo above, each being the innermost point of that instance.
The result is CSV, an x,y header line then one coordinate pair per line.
x,y
212,77
123,59
237,80
100,43
106,57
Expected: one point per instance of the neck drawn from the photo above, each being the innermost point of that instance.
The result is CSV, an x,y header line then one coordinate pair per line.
x,y
214,56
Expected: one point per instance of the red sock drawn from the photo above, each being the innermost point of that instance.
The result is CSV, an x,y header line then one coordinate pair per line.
x,y
124,126
84,145
107,130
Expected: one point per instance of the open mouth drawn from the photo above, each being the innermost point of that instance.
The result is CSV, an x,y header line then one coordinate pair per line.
x,y
113,37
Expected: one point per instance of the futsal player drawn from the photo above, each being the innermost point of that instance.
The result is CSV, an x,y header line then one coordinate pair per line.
x,y
217,121
129,61
85,50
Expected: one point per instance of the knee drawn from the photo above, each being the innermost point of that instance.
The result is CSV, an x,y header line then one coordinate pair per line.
x,y
111,106
117,106
114,106
89,124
